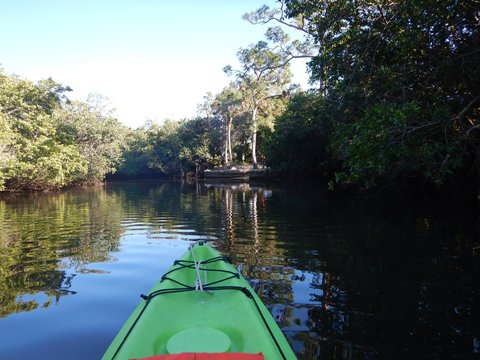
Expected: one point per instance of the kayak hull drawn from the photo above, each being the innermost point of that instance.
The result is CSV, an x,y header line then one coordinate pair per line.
x,y
227,316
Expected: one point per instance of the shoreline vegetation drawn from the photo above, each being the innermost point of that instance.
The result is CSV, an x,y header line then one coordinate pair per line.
x,y
395,100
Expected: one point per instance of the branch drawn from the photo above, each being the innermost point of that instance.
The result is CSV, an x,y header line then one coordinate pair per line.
x,y
13,111
429,124
279,66
476,127
271,97
262,16
469,105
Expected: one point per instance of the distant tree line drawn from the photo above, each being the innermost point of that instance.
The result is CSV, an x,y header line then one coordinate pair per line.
x,y
396,96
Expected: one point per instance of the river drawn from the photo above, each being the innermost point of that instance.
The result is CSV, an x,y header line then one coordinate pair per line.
x,y
346,277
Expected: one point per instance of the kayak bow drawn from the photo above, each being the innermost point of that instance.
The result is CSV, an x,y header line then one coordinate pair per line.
x,y
200,305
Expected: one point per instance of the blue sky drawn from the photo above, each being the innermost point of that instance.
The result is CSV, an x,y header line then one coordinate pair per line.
x,y
154,59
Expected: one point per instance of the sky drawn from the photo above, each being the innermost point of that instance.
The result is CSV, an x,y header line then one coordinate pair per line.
x,y
154,59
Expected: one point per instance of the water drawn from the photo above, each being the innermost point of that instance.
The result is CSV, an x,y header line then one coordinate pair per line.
x,y
344,277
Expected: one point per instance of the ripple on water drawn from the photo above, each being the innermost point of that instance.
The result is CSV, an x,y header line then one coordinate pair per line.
x,y
330,275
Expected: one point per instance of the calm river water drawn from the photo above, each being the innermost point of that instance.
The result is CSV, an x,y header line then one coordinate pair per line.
x,y
346,278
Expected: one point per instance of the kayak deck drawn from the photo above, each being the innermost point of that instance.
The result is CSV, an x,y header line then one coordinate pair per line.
x,y
201,304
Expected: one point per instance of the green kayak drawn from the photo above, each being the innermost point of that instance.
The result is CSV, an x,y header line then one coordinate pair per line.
x,y
200,305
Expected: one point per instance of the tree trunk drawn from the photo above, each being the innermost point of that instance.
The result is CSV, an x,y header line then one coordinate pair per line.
x,y
254,137
229,140
182,175
197,169
225,147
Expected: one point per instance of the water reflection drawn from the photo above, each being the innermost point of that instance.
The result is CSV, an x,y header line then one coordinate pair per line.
x,y
344,277
353,279
46,239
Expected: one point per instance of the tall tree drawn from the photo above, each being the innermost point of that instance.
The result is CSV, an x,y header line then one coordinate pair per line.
x,y
307,45
264,74
228,104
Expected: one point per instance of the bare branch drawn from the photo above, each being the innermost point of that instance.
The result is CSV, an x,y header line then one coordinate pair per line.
x,y
476,127
264,15
469,105
13,112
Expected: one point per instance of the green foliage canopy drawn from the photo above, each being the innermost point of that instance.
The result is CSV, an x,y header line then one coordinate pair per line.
x,y
397,97
301,138
48,142
402,84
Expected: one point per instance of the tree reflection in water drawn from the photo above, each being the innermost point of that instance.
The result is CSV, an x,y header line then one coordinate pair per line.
x,y
45,239
349,278
345,277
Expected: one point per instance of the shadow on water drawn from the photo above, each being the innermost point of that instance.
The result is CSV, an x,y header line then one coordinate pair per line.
x,y
345,277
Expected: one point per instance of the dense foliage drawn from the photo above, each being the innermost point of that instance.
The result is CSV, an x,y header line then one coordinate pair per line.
x,y
396,96
400,83
300,142
264,76
48,142
174,148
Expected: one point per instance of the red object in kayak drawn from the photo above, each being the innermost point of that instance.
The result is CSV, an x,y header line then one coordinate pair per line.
x,y
206,356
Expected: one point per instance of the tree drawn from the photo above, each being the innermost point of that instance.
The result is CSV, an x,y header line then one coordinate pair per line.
x,y
405,82
305,48
164,147
197,140
136,155
99,138
100,103
177,148
263,76
31,157
6,136
228,104
301,140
